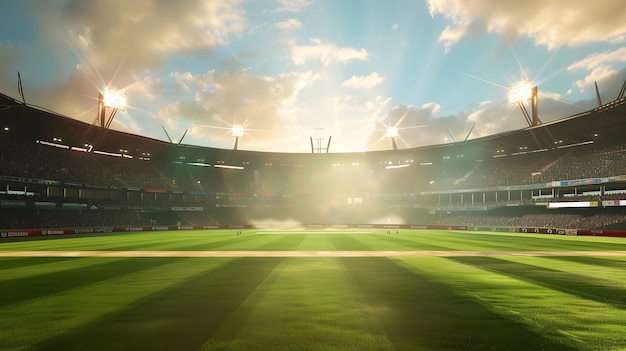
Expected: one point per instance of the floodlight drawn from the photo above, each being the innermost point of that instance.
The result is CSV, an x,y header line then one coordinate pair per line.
x,y
522,91
114,99
392,132
237,130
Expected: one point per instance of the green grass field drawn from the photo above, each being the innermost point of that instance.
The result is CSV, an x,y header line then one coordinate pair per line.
x,y
313,290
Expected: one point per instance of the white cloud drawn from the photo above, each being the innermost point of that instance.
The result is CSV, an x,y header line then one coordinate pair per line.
x,y
600,66
363,82
138,32
261,103
451,35
598,73
475,116
550,23
147,88
423,125
291,23
326,53
600,59
293,5
125,43
433,107
362,103
618,39
550,95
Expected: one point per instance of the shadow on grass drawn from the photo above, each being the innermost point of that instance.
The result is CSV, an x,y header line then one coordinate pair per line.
x,y
180,318
594,261
24,289
183,317
22,262
578,285
419,313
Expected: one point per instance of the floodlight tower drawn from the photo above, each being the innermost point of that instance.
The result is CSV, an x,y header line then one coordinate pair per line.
x,y
319,136
113,99
392,132
520,93
237,131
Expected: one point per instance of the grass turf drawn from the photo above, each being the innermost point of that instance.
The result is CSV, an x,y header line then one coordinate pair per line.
x,y
314,303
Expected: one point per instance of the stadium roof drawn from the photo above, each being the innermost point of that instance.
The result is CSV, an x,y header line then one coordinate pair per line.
x,y
605,124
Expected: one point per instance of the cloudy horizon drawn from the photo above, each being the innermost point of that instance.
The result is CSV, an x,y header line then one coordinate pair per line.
x,y
287,68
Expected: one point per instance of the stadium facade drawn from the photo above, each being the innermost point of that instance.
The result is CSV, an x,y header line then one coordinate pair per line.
x,y
59,175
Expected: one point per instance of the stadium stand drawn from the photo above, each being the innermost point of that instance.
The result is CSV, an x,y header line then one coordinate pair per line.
x,y
57,172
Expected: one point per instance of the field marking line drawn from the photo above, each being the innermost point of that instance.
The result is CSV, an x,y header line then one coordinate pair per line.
x,y
290,232
304,253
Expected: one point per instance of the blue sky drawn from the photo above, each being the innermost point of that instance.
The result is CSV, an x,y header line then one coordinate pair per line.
x,y
285,69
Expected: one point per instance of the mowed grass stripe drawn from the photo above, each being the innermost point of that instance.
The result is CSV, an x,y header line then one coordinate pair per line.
x,y
535,242
458,241
24,325
578,285
27,288
480,241
345,242
550,313
219,241
282,243
118,241
163,241
439,240
9,263
101,241
417,312
317,242
166,240
304,304
181,327
414,240
581,323
407,239
602,262
50,265
181,318
394,242
597,271
207,242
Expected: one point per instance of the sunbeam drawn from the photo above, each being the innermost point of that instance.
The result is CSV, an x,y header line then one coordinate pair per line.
x,y
480,79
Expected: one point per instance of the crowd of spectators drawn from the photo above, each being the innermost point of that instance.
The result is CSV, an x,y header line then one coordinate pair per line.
x,y
180,184
580,162
554,221
35,160
33,219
